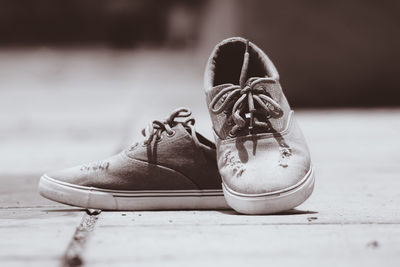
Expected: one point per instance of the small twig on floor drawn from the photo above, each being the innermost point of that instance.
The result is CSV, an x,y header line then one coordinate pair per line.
x,y
73,254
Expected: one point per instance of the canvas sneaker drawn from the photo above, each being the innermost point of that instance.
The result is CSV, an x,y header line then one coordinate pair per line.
x,y
173,167
262,155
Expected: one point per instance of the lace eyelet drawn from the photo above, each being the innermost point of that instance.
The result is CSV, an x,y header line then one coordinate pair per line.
x,y
172,134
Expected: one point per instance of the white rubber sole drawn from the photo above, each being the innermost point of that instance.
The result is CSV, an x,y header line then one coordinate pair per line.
x,y
273,202
97,198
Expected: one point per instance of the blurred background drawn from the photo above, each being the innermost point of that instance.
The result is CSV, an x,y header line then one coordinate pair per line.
x,y
79,76
329,53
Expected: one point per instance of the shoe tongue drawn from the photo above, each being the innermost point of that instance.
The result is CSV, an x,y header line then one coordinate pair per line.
x,y
182,130
179,128
245,66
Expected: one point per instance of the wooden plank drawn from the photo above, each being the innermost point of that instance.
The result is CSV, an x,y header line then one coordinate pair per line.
x,y
238,245
36,236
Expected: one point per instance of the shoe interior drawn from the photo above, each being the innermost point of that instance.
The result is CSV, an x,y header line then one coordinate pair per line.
x,y
228,62
205,141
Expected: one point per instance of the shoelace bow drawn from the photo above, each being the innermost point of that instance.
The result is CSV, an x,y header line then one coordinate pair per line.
x,y
238,94
157,127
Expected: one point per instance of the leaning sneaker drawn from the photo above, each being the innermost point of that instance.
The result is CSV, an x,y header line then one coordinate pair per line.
x,y
262,155
174,167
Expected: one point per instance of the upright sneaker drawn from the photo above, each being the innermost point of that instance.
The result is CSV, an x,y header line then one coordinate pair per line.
x,y
173,167
262,155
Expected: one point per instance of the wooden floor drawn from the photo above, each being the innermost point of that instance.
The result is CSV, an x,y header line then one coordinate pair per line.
x,y
352,218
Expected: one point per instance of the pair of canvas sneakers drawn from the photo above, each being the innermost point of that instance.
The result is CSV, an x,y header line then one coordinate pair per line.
x,y
259,164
